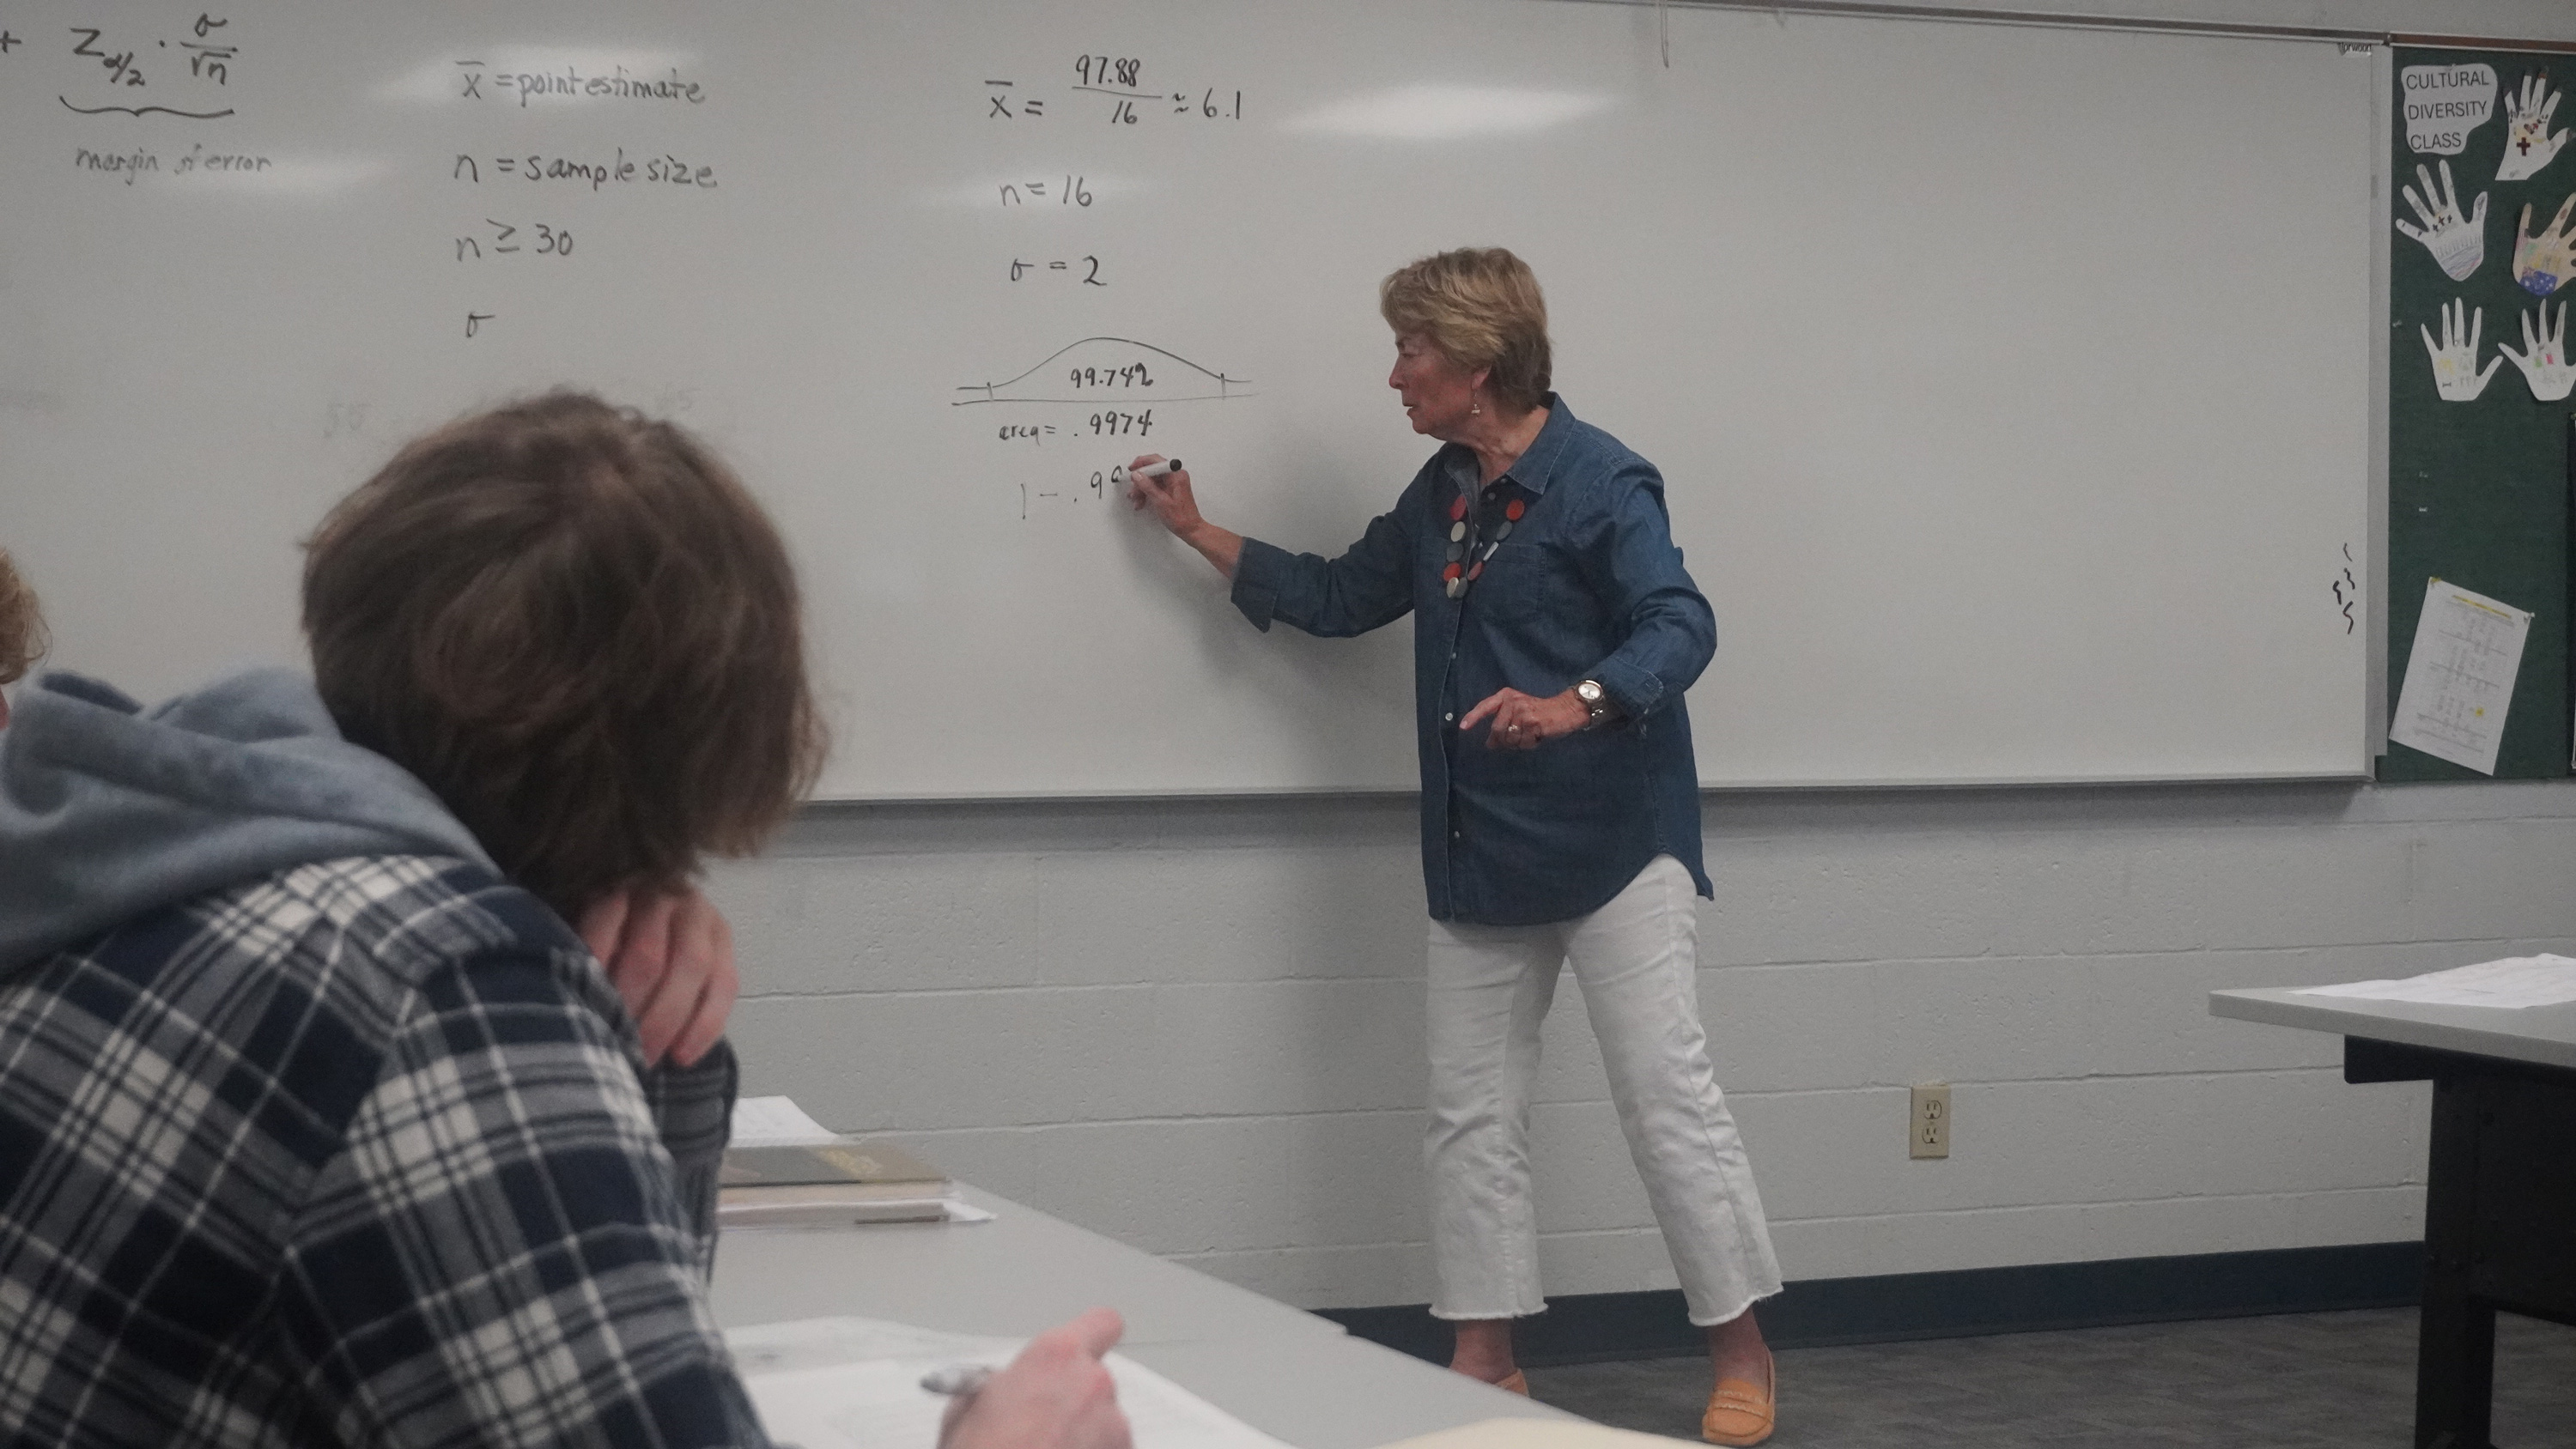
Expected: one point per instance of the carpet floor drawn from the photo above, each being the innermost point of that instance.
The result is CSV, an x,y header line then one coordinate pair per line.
x,y
2292,1381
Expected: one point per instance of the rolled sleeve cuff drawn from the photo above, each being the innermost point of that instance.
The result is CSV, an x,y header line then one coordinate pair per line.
x,y
693,1108
1637,692
1258,573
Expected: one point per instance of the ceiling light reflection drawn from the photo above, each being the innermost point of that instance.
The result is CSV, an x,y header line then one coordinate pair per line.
x,y
1449,113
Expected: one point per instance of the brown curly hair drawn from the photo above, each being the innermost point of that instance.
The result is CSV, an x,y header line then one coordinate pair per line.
x,y
22,627
576,627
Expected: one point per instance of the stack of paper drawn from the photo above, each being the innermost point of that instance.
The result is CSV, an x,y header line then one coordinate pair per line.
x,y
784,1169
776,1122
2542,980
843,1383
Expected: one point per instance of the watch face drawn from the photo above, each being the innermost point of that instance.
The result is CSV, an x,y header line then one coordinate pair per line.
x,y
1588,691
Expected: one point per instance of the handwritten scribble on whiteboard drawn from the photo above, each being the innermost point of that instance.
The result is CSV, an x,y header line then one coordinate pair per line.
x,y
144,111
1100,370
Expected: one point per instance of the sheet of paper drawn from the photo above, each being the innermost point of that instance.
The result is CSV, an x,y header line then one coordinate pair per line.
x,y
2444,103
776,1122
2459,676
801,1217
2542,980
844,1383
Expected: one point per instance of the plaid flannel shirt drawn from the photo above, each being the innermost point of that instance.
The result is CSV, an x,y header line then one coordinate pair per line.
x,y
359,1152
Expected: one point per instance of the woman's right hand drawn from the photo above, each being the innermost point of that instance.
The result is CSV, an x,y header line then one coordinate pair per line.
x,y
1177,509
1055,1395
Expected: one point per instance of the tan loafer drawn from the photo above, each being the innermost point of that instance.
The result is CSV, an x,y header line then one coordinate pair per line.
x,y
1514,1383
1740,1411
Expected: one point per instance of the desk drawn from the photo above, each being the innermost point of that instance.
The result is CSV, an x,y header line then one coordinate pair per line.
x,y
1284,1371
2500,1194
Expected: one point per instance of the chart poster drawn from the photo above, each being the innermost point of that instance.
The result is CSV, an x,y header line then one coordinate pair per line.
x,y
2459,676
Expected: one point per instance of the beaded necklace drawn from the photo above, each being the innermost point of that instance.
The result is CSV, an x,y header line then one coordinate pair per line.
x,y
1469,549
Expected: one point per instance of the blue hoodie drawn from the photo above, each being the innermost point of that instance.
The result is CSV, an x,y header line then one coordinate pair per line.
x,y
109,810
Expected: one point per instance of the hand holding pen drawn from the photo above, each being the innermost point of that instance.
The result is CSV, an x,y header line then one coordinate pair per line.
x,y
1055,1395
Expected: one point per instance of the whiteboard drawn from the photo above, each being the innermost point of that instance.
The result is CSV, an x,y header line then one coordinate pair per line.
x,y
2011,384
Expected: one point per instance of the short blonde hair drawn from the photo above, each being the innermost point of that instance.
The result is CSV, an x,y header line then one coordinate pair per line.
x,y
1481,307
22,628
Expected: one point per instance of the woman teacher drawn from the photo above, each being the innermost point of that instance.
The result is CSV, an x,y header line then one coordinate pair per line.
x,y
1554,633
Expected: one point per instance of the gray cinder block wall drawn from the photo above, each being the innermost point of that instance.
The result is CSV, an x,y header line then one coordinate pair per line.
x,y
1196,1026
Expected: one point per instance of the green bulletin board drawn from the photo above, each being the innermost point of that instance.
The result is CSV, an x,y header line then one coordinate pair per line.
x,y
2478,486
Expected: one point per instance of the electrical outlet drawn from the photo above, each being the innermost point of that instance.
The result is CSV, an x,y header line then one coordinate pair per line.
x,y
1927,1125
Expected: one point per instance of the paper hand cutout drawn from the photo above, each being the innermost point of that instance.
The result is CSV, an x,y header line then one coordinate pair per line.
x,y
2543,263
2457,243
2528,146
2543,358
2455,362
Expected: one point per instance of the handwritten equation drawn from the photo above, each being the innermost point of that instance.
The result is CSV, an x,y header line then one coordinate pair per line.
x,y
188,70
1090,270
1110,88
1103,486
502,239
1072,192
1104,424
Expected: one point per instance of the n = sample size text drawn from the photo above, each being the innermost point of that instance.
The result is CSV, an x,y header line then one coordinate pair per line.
x,y
654,169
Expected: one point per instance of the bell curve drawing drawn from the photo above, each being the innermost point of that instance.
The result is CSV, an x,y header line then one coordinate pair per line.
x,y
1096,370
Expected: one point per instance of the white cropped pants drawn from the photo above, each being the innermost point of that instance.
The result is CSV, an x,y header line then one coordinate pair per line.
x,y
1490,987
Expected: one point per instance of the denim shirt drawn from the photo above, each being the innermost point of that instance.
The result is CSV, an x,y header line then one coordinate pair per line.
x,y
1589,585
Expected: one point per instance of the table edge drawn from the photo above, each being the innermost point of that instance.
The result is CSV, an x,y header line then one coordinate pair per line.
x,y
2441,1028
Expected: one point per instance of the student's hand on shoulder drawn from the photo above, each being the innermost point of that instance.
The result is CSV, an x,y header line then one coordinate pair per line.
x,y
1055,1395
670,956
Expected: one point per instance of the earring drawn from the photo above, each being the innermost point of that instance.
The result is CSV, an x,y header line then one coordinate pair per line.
x,y
1474,407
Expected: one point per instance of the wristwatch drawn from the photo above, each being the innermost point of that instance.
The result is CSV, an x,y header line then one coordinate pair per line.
x,y
1597,700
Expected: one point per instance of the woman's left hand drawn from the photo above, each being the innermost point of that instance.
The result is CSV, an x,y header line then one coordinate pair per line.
x,y
1521,721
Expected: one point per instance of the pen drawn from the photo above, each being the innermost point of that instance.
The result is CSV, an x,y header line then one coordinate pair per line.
x,y
1156,470
957,1380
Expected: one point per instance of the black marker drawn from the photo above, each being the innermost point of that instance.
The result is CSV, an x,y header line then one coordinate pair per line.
x,y
1156,470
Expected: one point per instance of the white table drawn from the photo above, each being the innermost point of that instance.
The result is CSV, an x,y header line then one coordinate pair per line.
x,y
2500,1189
2541,1035
1284,1371
1020,1274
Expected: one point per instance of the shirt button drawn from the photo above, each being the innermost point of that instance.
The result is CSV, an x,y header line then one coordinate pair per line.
x,y
1448,717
